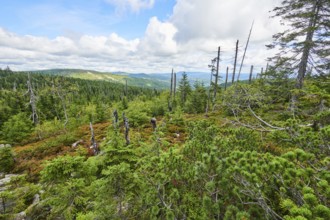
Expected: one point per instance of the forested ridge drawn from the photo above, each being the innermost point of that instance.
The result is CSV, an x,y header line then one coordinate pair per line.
x,y
252,156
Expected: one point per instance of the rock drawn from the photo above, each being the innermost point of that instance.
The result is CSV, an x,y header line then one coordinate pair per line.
x,y
4,181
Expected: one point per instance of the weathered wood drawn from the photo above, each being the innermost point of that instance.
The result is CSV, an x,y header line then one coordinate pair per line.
x,y
171,90
61,96
174,86
94,145
267,67
235,61
170,101
246,46
33,101
126,125
226,77
209,90
250,77
127,132
153,122
216,77
115,116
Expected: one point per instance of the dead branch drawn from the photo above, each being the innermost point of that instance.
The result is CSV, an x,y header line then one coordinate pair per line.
x,y
266,123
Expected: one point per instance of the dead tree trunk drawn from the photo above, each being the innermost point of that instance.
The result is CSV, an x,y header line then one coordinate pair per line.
x,y
127,132
267,67
174,85
250,77
211,77
94,145
235,61
171,92
246,46
216,77
115,121
226,78
61,96
33,101
15,87
172,75
153,122
126,125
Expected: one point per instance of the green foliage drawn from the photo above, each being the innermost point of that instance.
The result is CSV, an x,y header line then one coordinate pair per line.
x,y
226,165
17,128
137,113
62,168
198,99
7,160
184,89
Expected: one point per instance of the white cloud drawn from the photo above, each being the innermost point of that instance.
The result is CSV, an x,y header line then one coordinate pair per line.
x,y
41,52
188,40
221,19
203,25
132,5
159,38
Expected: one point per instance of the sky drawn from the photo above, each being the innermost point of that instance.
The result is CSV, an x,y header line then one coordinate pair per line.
x,y
136,36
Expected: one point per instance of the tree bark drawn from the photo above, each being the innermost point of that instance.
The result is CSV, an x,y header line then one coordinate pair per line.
x,y
235,61
308,45
216,76
250,77
226,78
33,101
246,46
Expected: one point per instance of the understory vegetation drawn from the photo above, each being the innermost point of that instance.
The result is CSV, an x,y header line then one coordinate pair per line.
x,y
256,154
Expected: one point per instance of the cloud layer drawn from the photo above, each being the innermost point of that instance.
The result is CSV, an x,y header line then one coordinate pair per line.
x,y
187,40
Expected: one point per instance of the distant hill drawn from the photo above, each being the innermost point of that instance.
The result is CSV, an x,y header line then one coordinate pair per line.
x,y
203,77
119,77
150,80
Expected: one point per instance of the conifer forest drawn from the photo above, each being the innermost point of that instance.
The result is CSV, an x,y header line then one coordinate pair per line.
x,y
232,149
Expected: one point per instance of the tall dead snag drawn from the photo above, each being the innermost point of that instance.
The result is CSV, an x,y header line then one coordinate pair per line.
x,y
115,116
153,122
213,69
267,67
126,125
226,78
94,145
216,76
171,92
246,46
33,101
61,96
250,77
174,85
235,61
172,75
